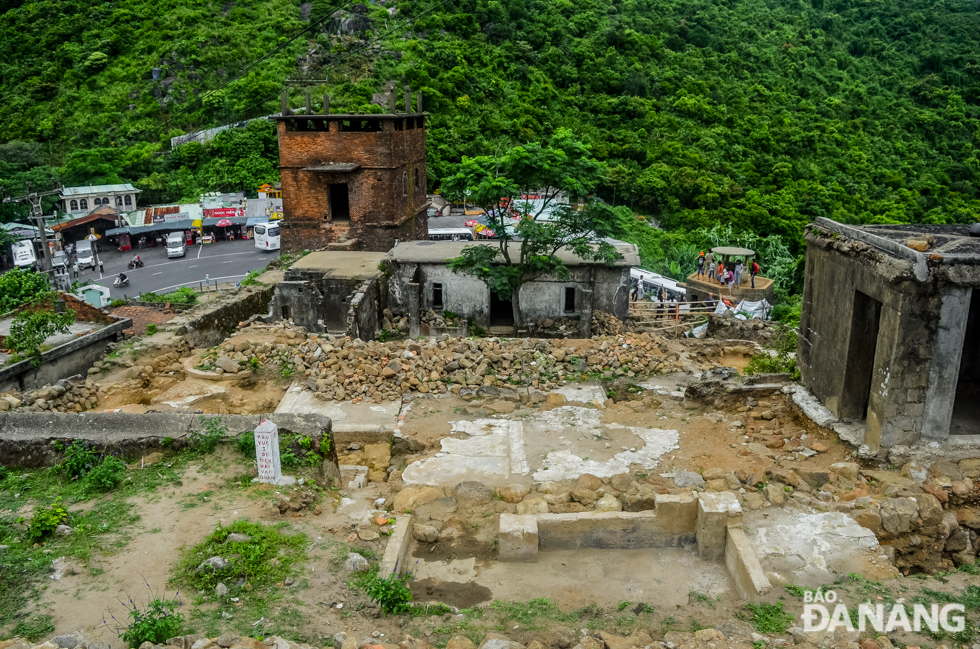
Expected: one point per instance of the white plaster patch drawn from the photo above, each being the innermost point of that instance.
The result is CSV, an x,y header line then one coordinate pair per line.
x,y
808,548
565,465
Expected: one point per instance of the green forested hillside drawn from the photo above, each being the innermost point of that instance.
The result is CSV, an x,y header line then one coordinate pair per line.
x,y
758,115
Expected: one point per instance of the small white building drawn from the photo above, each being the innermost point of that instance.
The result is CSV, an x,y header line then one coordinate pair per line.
x,y
78,201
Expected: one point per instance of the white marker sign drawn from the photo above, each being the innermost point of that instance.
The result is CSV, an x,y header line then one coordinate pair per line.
x,y
267,452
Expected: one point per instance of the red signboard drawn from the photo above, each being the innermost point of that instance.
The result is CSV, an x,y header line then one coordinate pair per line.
x,y
224,212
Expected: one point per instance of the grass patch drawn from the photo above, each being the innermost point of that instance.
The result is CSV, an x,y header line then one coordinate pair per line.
x,y
268,557
769,618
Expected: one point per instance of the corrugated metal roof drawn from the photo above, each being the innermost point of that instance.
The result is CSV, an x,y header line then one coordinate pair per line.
x,y
96,189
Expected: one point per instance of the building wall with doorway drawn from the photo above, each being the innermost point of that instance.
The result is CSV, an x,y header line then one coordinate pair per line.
x,y
421,266
355,182
888,332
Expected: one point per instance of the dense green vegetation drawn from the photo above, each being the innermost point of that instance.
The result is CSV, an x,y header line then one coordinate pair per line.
x,y
755,115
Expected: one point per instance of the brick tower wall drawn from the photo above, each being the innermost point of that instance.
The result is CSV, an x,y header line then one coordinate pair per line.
x,y
381,210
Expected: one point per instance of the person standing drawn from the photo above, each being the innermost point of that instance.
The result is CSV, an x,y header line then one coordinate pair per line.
x,y
738,272
74,269
721,273
730,280
636,290
754,272
709,261
701,264
101,266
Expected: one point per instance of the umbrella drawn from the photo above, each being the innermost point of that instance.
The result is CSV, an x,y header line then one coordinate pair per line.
x,y
471,223
223,223
93,237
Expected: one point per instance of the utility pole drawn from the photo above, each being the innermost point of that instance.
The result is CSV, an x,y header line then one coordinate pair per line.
x,y
34,198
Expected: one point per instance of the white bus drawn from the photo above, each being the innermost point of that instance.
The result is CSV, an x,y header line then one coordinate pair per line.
x,y
653,282
24,255
267,236
450,234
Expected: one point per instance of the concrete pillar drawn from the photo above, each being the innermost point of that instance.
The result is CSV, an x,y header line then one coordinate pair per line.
x,y
326,104
391,100
518,538
715,512
309,106
944,371
285,103
418,102
408,99
414,314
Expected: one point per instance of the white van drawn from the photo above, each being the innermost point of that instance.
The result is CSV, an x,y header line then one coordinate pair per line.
x,y
23,252
175,245
84,254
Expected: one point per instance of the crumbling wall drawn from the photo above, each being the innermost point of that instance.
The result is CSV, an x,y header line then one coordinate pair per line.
x,y
211,325
26,438
365,306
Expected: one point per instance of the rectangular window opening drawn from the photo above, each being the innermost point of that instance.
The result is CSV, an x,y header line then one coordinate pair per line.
x,y
399,125
437,296
569,299
338,202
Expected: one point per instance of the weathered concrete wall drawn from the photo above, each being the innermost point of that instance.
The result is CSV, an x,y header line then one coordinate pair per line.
x,y
743,565
907,328
73,357
212,325
396,552
26,439
300,301
605,289
611,530
365,307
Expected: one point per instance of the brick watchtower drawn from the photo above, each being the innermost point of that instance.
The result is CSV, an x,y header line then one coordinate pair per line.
x,y
352,181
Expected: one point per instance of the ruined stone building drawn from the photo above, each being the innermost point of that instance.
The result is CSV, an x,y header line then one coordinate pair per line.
x,y
352,181
890,330
420,280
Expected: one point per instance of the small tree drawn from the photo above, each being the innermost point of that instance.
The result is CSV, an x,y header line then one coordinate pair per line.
x,y
29,330
502,187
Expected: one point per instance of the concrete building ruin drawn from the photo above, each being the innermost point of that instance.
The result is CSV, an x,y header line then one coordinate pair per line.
x,y
347,291
420,277
890,330
352,181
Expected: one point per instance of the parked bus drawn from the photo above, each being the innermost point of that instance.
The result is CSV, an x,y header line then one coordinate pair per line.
x,y
23,252
266,236
653,282
450,234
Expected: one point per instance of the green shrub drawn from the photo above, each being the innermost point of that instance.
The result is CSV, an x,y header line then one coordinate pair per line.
x,y
46,519
246,444
78,459
117,303
157,623
107,475
151,329
205,441
182,296
392,593
19,287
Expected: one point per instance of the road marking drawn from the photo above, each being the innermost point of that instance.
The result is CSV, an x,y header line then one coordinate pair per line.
x,y
160,273
228,262
194,266
200,247
213,279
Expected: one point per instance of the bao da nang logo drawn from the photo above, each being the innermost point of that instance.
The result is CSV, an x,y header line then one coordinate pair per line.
x,y
822,612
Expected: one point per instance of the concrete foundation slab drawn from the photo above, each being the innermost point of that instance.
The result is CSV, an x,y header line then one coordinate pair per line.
x,y
808,549
347,417
574,579
744,566
518,538
491,451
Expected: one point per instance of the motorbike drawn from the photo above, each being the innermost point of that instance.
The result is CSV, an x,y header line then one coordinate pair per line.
x,y
135,263
120,281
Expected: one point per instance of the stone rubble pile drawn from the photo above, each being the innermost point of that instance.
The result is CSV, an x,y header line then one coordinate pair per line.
x,y
73,394
606,324
344,369
732,634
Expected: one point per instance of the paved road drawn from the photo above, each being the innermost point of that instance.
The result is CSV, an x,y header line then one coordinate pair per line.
x,y
226,261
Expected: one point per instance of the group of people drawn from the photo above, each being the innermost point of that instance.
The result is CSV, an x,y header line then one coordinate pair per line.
x,y
726,275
